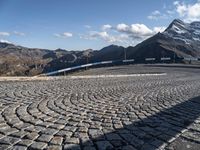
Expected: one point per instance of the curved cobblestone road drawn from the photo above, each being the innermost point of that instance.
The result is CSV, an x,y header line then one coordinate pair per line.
x,y
154,112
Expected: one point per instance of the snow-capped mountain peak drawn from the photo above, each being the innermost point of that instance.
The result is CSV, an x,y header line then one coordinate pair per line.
x,y
187,33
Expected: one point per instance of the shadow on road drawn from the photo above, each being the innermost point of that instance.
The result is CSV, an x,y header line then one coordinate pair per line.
x,y
147,133
175,66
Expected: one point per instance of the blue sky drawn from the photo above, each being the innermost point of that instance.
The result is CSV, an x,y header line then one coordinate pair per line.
x,y
83,24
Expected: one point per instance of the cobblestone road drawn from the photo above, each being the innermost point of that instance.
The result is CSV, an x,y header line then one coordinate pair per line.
x,y
144,113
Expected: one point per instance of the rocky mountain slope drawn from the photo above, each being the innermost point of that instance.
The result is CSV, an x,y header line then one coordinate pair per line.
x,y
18,60
178,40
181,39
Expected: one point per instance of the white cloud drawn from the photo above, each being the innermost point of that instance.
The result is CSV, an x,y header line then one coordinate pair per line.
x,y
88,26
105,36
180,8
170,12
4,34
156,12
156,15
176,2
151,17
189,12
158,29
123,33
5,41
122,27
138,31
106,27
19,33
12,33
64,35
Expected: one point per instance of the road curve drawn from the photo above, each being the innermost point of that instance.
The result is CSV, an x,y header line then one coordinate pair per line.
x,y
130,112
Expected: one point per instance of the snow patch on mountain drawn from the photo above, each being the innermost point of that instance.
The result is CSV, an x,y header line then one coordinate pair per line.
x,y
177,29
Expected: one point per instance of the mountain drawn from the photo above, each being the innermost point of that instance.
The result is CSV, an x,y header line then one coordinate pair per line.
x,y
185,33
186,37
22,61
179,40
18,60
112,52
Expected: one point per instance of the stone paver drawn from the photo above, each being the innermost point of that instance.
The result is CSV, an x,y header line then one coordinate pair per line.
x,y
144,112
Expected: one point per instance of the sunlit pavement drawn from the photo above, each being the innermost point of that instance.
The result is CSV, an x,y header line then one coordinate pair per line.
x,y
126,112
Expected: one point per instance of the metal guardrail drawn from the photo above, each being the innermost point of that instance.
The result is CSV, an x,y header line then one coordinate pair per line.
x,y
111,62
128,60
192,59
85,65
150,59
165,58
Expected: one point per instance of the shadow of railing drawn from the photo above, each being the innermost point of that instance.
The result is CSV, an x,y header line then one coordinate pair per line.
x,y
148,133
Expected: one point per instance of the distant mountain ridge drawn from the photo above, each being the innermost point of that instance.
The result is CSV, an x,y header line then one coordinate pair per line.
x,y
179,39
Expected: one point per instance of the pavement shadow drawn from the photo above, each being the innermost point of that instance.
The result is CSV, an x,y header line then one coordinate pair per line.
x,y
148,133
175,66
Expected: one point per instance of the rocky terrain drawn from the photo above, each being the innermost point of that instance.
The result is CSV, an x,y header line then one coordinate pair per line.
x,y
177,41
